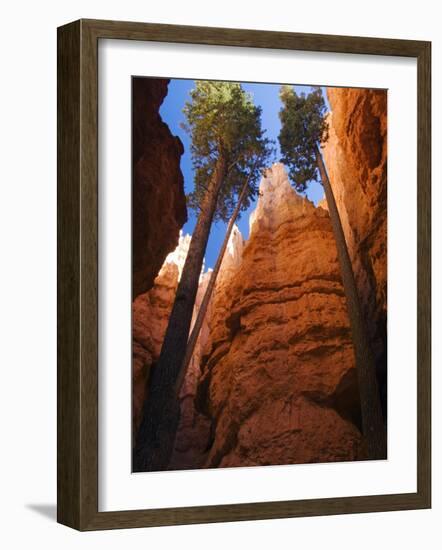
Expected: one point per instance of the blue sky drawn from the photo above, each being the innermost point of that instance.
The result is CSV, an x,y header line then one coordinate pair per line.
x,y
265,95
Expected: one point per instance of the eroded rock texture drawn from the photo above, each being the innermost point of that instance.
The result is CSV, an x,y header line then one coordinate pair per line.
x,y
278,380
158,199
356,159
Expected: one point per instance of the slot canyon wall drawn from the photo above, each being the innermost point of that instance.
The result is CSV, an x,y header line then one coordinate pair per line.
x,y
158,200
273,377
356,159
158,213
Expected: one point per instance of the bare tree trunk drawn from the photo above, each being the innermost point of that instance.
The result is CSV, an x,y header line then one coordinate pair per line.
x,y
160,415
371,411
208,294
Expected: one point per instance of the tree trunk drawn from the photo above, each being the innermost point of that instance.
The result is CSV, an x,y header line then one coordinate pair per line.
x,y
371,411
160,415
208,294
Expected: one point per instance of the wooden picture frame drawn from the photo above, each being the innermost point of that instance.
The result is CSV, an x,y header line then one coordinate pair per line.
x,y
78,274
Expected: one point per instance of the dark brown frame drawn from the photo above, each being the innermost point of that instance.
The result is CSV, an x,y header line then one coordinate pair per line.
x,y
78,267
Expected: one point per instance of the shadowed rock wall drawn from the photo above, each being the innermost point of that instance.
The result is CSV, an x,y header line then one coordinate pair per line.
x,y
158,199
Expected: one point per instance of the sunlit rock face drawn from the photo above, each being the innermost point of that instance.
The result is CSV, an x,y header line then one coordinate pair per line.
x,y
158,199
356,160
278,379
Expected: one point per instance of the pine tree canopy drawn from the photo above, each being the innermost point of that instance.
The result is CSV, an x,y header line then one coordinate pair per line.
x,y
222,120
303,126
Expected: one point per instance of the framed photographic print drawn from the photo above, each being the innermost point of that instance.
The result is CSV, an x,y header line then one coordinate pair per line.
x,y
243,275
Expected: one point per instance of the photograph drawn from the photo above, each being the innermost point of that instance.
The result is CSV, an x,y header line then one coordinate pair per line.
x,y
259,274
220,236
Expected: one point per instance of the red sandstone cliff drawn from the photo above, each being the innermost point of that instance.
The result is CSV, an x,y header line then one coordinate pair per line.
x,y
158,213
356,159
158,199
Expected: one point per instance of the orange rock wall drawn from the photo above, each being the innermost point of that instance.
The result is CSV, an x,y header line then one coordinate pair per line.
x,y
158,213
150,315
356,160
278,380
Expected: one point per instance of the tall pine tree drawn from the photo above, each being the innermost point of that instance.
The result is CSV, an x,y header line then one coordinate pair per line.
x,y
193,338
304,129
228,145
